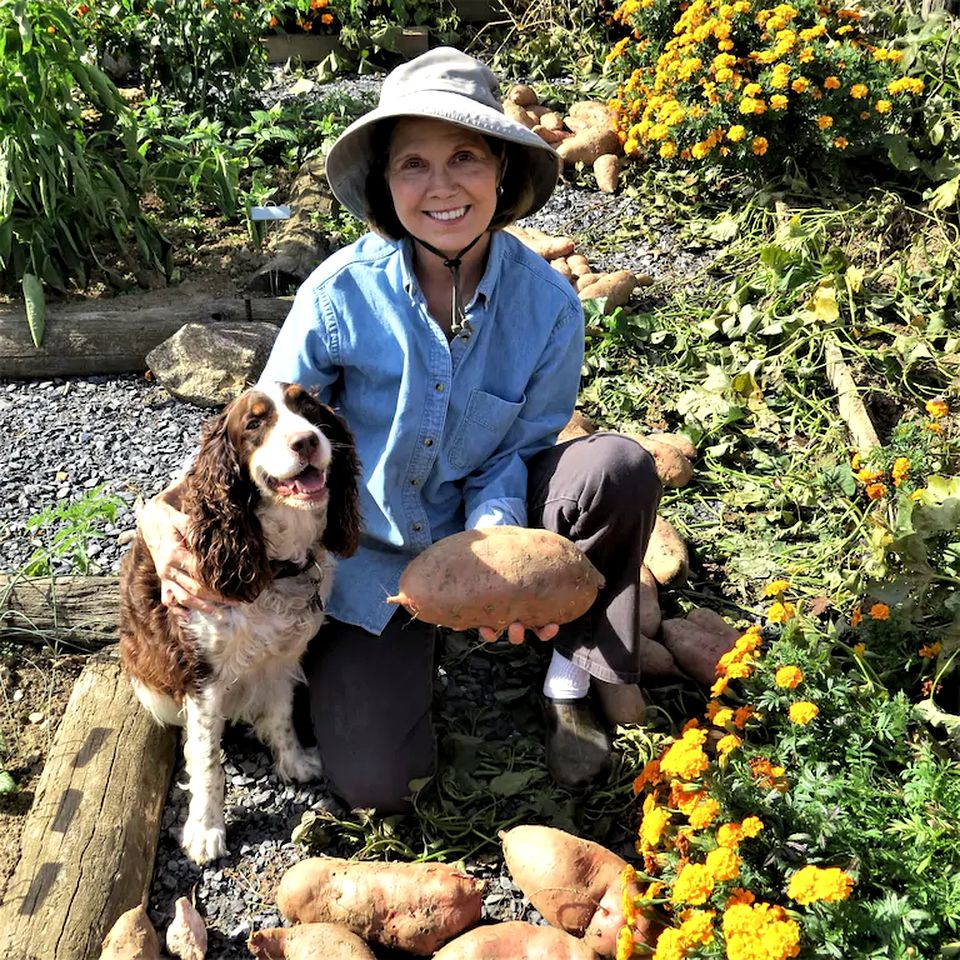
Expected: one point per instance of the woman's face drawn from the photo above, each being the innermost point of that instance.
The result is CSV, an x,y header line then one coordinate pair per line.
x,y
443,180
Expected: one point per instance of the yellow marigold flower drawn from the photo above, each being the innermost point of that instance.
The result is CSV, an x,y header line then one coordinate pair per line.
x,y
933,427
751,826
697,926
729,835
747,104
856,618
879,611
778,102
685,758
876,491
802,712
749,641
713,708
930,650
752,90
776,587
855,462
859,649
728,744
736,133
883,106
831,83
841,143
704,813
858,91
759,931
668,149
810,884
781,612
700,150
694,884
824,121
723,864
671,945
788,677
651,829
759,146
937,408
722,717
807,55
719,687
811,33
624,943
901,467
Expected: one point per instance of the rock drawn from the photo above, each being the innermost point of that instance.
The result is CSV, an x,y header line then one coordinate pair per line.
x,y
209,364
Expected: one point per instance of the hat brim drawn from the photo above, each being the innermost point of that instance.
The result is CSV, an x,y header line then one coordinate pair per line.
x,y
348,161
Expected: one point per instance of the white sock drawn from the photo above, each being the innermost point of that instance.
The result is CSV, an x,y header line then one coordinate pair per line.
x,y
565,680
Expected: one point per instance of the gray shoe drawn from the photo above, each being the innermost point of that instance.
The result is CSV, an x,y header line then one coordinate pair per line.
x,y
578,749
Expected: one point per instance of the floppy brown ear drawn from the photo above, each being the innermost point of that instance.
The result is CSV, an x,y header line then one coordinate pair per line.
x,y
225,534
342,535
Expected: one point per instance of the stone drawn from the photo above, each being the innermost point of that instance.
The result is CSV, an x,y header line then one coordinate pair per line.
x,y
208,364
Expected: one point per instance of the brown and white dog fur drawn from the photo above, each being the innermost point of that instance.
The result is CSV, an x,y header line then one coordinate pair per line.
x,y
271,495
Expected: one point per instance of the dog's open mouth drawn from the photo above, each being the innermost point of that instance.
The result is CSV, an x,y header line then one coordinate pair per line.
x,y
309,484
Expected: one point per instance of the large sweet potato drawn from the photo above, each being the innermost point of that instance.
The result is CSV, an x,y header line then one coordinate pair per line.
x,y
576,884
667,555
696,649
497,576
132,937
406,906
673,468
308,941
515,940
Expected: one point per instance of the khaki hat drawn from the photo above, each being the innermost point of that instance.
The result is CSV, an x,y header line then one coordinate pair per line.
x,y
442,84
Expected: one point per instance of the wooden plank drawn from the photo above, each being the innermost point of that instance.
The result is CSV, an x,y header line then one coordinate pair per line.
x,y
90,838
77,612
851,407
115,336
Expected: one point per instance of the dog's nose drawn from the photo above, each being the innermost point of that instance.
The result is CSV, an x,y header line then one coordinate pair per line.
x,y
304,443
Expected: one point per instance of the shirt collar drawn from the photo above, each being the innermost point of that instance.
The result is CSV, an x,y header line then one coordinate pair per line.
x,y
488,281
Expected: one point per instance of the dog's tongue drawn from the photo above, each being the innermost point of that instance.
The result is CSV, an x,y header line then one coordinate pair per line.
x,y
310,481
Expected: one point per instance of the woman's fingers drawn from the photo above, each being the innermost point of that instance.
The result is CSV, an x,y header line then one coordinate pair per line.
x,y
488,634
517,631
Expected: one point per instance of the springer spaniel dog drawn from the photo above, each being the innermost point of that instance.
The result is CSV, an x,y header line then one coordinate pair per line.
x,y
271,495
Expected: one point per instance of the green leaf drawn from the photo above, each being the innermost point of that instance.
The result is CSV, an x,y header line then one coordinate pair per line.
x,y
513,782
36,306
944,196
7,783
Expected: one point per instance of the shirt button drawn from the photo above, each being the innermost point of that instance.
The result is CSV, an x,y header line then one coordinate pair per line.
x,y
428,442
439,388
414,482
417,527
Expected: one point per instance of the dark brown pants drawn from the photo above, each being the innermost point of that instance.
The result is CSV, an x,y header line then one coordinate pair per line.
x,y
370,697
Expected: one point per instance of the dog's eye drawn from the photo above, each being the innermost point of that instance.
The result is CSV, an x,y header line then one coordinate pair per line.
x,y
253,423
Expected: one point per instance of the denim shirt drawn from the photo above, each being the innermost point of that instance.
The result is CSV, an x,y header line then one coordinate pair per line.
x,y
443,429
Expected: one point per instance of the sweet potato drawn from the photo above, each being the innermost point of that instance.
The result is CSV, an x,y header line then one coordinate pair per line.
x,y
606,170
593,110
522,95
552,120
520,114
673,468
186,935
547,246
695,649
712,621
578,426
655,659
515,940
553,137
132,937
588,279
575,883
667,555
497,576
406,906
561,266
587,145
308,941
615,287
579,124
677,440
648,603
578,264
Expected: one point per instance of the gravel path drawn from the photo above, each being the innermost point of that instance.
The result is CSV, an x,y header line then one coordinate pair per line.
x,y
65,437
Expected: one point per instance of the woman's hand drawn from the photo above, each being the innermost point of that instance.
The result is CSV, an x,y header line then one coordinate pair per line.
x,y
516,631
164,530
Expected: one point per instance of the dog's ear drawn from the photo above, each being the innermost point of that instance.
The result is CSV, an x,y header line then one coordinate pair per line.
x,y
342,535
225,533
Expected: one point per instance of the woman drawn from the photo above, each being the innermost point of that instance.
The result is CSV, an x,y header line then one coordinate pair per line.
x,y
454,354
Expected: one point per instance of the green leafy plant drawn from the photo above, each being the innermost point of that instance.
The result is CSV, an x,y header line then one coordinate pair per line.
x,y
69,168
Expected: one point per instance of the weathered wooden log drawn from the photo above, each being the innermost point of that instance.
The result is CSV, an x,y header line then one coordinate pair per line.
x,y
90,838
77,612
851,406
299,243
115,336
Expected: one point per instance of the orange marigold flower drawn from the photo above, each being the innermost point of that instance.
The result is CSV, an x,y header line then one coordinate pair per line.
x,y
824,121
723,864
859,649
856,618
858,91
704,813
759,146
841,143
739,895
788,677
937,408
901,467
760,930
802,712
876,491
930,650
933,427
685,758
742,715
800,85
671,945
326,19
729,835
781,612
713,708
882,106
654,822
831,83
879,611
810,884
694,884
719,687
83,9
649,776
697,926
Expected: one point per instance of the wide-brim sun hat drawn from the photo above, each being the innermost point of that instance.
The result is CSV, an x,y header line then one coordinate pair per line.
x,y
442,84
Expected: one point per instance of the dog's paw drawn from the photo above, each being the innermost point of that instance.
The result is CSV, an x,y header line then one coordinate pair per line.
x,y
299,765
202,842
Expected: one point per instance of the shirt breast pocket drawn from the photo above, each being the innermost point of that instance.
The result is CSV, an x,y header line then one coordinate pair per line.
x,y
485,423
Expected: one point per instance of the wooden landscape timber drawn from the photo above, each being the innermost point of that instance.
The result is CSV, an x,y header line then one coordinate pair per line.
x,y
74,612
90,838
96,337
851,408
